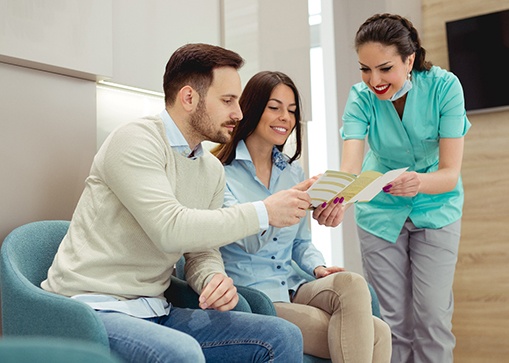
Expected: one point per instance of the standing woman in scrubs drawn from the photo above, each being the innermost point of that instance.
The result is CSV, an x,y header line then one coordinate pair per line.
x,y
413,115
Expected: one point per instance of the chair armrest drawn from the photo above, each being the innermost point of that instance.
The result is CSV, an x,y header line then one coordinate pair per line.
x,y
181,295
54,350
258,301
31,311
375,304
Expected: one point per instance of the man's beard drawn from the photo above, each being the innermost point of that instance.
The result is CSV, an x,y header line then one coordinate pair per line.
x,y
202,124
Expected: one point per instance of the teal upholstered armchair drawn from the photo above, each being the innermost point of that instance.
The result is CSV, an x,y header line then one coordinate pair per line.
x,y
27,310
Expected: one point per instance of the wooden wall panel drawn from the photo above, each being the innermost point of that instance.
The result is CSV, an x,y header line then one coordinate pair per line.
x,y
481,288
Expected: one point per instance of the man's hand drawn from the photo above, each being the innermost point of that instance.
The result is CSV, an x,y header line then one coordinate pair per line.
x,y
287,207
304,185
219,294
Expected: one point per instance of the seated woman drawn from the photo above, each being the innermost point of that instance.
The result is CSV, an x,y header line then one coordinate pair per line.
x,y
333,311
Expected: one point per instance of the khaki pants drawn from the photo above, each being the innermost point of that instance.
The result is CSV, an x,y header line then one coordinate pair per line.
x,y
334,316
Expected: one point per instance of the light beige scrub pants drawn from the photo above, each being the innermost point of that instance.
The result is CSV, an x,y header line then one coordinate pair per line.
x,y
335,318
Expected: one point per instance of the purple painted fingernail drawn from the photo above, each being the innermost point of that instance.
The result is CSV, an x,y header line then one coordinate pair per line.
x,y
342,199
336,200
324,204
387,188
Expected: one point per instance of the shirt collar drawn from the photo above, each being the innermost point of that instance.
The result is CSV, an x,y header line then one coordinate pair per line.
x,y
177,140
279,159
242,153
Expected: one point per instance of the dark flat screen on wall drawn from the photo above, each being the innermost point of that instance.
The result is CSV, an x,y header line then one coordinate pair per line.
x,y
478,50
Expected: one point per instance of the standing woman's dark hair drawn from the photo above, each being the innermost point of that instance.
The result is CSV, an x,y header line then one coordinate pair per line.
x,y
252,102
389,29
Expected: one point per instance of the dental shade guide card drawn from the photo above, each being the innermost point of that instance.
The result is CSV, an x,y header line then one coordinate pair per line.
x,y
354,188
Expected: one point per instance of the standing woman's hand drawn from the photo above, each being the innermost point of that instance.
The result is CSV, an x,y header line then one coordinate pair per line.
x,y
406,185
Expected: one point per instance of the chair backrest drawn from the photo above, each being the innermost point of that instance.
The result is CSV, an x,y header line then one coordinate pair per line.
x,y
25,257
30,249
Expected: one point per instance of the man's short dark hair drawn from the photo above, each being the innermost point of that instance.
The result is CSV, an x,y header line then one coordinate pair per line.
x,y
193,64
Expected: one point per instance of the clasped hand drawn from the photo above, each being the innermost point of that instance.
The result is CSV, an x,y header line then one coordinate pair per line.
x,y
219,294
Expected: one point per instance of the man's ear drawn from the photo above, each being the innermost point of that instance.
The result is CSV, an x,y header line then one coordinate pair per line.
x,y
188,98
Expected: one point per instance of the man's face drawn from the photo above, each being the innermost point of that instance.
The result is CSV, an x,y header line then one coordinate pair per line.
x,y
218,111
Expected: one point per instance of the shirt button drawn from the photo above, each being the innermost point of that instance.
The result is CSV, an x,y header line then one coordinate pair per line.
x,y
278,267
283,283
274,239
273,257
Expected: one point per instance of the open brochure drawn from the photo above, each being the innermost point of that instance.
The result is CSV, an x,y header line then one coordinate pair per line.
x,y
354,188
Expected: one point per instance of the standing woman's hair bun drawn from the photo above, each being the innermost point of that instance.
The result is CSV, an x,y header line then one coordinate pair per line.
x,y
390,29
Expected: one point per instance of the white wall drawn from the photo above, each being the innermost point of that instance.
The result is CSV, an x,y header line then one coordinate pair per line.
x,y
146,33
71,37
47,141
271,35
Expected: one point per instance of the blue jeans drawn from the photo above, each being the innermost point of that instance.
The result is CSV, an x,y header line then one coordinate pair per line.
x,y
194,336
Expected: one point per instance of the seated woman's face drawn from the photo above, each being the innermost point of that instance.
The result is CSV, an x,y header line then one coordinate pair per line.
x,y
278,118
382,68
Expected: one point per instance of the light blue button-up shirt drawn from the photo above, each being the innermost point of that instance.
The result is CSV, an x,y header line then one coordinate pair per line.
x,y
263,261
434,109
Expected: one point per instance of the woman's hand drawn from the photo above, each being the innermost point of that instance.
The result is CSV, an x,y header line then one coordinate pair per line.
x,y
405,185
440,181
330,215
322,271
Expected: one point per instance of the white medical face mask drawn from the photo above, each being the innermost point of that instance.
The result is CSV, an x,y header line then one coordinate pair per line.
x,y
407,86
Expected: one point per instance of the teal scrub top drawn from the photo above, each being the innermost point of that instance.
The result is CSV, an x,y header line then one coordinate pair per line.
x,y
434,109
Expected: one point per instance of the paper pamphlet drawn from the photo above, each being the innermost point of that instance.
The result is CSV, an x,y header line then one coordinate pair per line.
x,y
354,188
